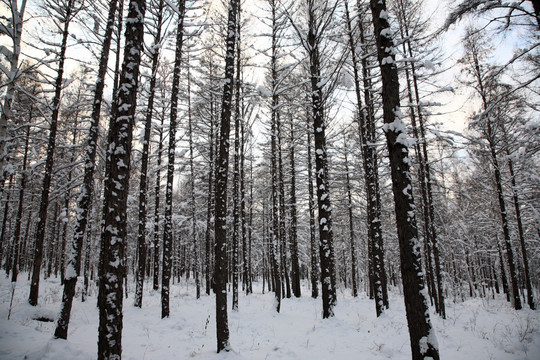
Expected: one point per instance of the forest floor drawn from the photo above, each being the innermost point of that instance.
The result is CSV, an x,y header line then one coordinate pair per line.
x,y
475,329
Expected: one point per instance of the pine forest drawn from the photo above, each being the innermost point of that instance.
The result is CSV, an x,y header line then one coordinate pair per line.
x,y
269,179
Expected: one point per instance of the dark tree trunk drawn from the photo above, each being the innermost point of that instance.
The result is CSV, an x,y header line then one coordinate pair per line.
x,y
168,231
504,223
326,246
49,162
351,223
425,172
293,239
236,173
275,245
369,155
222,167
195,243
4,229
286,285
65,220
422,337
530,299
157,190
312,240
117,171
18,217
143,183
85,198
245,250
210,205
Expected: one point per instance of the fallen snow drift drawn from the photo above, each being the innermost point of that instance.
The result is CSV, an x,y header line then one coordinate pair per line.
x,y
476,329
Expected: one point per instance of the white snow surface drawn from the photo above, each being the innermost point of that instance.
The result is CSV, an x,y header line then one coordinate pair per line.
x,y
475,329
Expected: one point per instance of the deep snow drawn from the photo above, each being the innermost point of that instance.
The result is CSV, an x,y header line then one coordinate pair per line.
x,y
475,329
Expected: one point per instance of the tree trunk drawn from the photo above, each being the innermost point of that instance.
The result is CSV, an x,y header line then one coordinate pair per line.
x,y
351,224
312,240
17,17
18,217
326,246
236,174
210,205
168,232
422,336
143,183
85,198
117,171
157,190
222,166
274,248
530,299
46,185
4,229
375,253
295,266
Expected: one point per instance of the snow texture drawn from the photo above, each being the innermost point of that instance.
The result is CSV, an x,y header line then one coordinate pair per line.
x,y
475,329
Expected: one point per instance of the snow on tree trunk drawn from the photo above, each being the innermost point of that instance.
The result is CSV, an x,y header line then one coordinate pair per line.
x,y
168,231
326,246
369,157
312,241
73,268
274,246
295,266
117,172
49,162
143,182
222,168
14,30
422,336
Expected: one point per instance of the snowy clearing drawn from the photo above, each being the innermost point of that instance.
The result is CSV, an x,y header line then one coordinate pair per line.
x,y
476,329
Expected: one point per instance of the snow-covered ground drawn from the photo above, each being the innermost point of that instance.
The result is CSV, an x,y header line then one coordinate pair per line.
x,y
476,329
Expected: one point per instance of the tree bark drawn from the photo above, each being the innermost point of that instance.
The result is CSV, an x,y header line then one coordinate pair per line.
x,y
422,336
369,155
117,171
293,239
326,246
168,232
530,299
275,244
46,185
85,197
222,166
143,182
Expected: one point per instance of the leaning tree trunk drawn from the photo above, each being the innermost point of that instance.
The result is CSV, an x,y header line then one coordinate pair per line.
x,y
117,171
74,261
49,162
222,166
421,333
168,232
